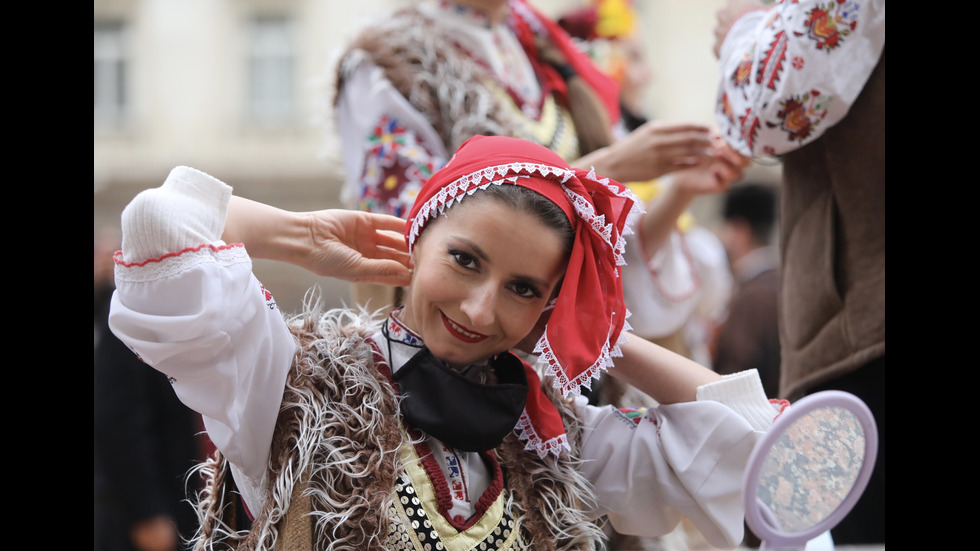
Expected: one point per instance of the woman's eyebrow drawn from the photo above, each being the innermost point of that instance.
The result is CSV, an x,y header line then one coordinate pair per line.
x,y
475,248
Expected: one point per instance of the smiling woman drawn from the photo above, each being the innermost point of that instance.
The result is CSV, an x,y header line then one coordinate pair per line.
x,y
421,427
483,286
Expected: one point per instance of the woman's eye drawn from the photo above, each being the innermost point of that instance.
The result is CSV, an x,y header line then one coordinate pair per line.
x,y
526,291
465,260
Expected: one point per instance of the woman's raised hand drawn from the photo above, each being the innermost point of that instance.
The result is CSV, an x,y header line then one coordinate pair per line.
x,y
345,244
359,247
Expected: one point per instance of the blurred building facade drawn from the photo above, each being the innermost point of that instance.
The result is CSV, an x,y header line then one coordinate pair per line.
x,y
241,89
236,88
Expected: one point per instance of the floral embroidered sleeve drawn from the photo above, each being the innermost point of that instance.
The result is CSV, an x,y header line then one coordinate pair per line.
x,y
389,148
790,72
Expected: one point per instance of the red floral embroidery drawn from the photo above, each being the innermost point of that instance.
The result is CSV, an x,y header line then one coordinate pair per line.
x,y
741,75
800,115
771,65
823,28
828,28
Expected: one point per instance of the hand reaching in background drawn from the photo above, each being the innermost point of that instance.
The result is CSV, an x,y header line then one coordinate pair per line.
x,y
713,174
652,150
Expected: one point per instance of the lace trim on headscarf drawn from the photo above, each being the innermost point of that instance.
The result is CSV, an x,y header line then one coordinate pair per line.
x,y
470,183
496,175
525,431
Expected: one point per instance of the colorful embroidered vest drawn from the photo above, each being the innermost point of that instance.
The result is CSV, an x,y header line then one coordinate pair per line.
x,y
478,103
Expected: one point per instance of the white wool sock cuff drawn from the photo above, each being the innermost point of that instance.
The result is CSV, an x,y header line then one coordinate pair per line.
x,y
743,393
188,210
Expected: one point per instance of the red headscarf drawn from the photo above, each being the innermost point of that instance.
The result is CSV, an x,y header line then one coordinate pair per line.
x,y
583,332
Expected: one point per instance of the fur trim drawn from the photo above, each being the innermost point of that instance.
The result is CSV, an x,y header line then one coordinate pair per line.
x,y
335,435
443,84
549,491
335,458
216,505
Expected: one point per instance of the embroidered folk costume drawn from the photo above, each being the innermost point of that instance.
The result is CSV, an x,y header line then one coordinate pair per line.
x,y
800,74
806,81
314,426
416,84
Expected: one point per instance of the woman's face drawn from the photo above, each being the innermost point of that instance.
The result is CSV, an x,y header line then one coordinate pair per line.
x,y
483,274
637,73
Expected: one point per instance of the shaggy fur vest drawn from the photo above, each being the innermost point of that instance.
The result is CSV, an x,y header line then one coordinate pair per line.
x,y
345,474
458,96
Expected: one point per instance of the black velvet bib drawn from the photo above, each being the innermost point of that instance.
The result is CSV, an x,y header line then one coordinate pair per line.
x,y
463,413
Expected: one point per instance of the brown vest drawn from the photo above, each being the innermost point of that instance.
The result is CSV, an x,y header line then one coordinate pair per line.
x,y
832,231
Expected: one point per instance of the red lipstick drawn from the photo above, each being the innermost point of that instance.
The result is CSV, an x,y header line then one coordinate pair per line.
x,y
461,332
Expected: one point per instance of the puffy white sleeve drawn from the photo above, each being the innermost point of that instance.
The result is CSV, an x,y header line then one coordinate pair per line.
x,y
687,277
789,73
390,149
653,467
188,304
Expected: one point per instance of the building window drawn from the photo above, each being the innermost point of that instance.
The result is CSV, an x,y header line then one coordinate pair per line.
x,y
271,69
110,72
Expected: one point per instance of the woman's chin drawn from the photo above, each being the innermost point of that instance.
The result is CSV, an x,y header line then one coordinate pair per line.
x,y
456,358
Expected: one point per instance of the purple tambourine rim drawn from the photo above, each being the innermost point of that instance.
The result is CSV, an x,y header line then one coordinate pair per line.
x,y
754,515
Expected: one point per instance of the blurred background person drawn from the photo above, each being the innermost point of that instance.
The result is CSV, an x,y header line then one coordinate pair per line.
x,y
606,31
418,82
678,281
262,113
749,336
145,439
831,140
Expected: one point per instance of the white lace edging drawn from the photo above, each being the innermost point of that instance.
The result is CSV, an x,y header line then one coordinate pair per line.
x,y
636,210
573,387
496,175
525,431
469,183
181,261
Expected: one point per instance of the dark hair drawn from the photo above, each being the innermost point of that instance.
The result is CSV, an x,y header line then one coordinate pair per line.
x,y
755,204
527,200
